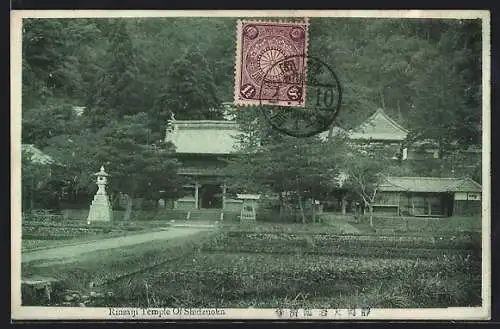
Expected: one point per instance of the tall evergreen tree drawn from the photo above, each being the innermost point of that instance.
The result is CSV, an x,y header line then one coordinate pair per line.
x,y
191,92
117,92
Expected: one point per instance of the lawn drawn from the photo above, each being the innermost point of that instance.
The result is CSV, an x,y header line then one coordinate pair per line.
x,y
418,225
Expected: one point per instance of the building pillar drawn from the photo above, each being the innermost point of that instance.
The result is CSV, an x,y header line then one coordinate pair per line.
x,y
344,205
196,186
224,190
412,205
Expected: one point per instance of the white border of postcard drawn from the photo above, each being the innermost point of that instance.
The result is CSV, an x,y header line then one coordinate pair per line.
x,y
54,313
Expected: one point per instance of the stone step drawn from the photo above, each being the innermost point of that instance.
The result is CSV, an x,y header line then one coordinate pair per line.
x,y
202,215
206,210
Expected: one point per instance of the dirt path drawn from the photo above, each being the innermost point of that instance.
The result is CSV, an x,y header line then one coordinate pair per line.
x,y
345,227
85,247
341,225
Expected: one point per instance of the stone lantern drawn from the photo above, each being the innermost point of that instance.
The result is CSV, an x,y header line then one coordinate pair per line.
x,y
100,209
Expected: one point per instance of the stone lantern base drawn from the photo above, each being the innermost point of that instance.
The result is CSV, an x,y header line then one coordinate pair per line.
x,y
100,209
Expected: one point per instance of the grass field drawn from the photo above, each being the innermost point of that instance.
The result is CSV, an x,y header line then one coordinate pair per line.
x,y
287,265
420,225
300,269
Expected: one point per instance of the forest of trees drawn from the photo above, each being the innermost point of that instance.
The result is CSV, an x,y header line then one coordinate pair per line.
x,y
131,74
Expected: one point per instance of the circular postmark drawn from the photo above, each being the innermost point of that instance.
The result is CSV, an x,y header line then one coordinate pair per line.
x,y
304,80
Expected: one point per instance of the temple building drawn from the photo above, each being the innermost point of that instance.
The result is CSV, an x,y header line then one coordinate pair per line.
x,y
379,127
204,146
201,147
379,133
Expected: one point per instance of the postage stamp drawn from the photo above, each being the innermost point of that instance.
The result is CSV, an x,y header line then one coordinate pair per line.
x,y
260,46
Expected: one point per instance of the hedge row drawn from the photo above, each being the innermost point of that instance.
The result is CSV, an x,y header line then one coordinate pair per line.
x,y
376,252
69,232
290,241
262,227
467,236
82,224
72,215
69,229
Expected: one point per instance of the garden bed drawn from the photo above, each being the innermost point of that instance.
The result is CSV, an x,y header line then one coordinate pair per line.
x,y
228,280
50,234
242,269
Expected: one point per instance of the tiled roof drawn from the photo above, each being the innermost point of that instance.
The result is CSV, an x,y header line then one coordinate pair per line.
x,y
337,131
220,136
429,184
36,155
204,136
379,126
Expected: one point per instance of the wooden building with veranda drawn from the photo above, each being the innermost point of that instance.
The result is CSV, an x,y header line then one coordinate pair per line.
x,y
428,196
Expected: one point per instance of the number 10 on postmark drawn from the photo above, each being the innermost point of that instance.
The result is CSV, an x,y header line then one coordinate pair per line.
x,y
271,60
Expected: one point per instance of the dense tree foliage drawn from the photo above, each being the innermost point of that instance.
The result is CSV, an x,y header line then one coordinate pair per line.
x,y
298,170
139,166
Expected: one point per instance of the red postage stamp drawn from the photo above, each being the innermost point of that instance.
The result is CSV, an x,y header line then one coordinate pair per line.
x,y
271,63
